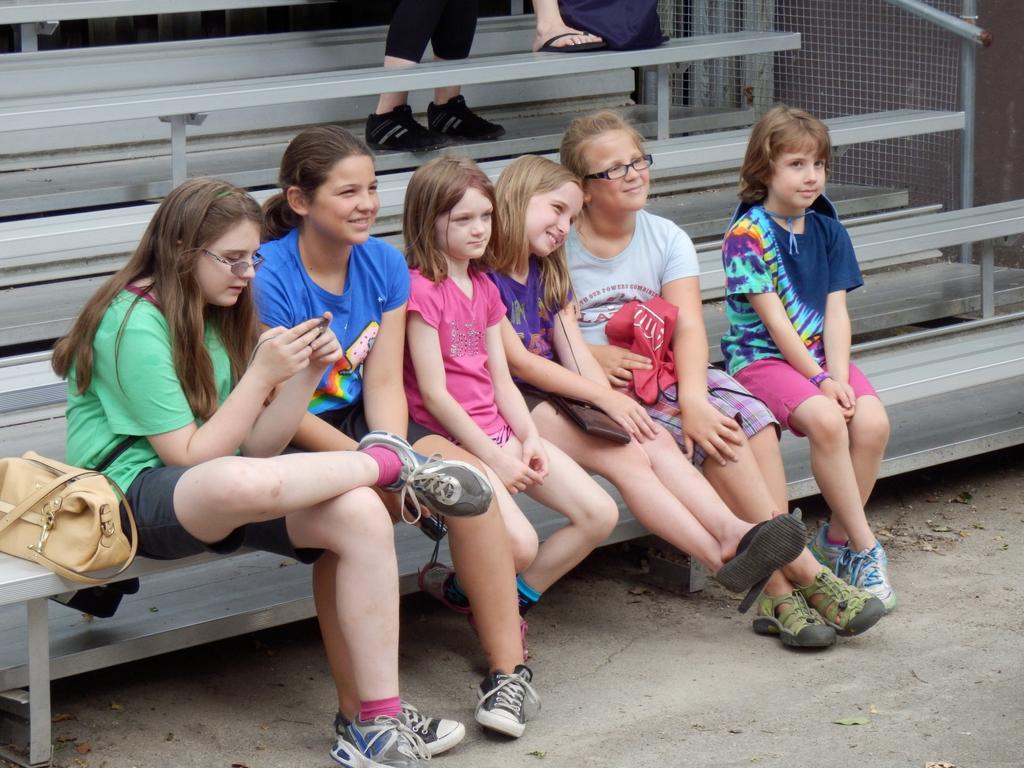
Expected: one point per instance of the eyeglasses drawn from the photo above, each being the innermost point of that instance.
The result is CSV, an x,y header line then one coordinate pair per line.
x,y
238,267
620,171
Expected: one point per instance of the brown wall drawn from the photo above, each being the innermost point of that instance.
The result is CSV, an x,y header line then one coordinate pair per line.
x,y
999,141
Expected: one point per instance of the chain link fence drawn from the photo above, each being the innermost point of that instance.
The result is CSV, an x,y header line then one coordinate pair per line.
x,y
856,57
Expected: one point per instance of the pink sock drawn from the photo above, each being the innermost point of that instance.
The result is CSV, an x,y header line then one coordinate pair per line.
x,y
388,463
835,542
369,710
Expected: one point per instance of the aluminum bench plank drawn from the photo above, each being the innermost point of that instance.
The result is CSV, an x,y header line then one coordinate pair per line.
x,y
129,179
79,109
188,62
880,242
52,245
42,311
905,297
265,590
28,11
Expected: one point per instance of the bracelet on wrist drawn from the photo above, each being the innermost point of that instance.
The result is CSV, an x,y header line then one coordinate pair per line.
x,y
819,379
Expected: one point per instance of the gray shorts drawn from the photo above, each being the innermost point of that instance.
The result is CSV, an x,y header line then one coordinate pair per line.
x,y
352,422
162,537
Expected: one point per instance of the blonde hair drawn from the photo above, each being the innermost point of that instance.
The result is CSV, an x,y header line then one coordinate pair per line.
x,y
584,130
191,217
306,163
521,180
782,129
434,190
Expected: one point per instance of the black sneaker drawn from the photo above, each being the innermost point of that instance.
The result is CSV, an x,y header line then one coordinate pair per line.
x,y
454,118
506,702
399,130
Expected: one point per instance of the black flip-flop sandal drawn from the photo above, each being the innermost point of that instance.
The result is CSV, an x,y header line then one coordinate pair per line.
x,y
575,48
764,549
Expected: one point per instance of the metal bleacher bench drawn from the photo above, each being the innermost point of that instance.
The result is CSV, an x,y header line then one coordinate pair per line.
x,y
35,17
183,104
62,168
976,369
81,244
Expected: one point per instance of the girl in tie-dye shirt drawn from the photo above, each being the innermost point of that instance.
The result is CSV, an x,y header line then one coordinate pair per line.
x,y
789,265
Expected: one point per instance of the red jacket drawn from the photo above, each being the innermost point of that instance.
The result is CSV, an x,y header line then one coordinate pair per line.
x,y
647,329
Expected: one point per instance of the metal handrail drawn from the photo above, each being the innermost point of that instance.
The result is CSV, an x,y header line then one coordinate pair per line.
x,y
950,23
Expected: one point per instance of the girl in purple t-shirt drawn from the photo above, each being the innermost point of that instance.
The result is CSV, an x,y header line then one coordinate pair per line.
x,y
537,202
458,383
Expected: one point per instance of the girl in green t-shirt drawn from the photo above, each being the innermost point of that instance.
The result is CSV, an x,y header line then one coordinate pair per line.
x,y
169,350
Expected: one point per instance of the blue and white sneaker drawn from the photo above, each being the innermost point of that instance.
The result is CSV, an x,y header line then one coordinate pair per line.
x,y
438,735
825,553
387,742
446,486
868,570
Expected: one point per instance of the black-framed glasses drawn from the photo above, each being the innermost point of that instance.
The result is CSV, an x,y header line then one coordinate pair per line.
x,y
620,171
238,267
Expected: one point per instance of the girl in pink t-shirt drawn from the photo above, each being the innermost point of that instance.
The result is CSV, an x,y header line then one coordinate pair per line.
x,y
458,382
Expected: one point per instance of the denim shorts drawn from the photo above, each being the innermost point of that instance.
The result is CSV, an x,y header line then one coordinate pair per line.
x,y
351,421
162,537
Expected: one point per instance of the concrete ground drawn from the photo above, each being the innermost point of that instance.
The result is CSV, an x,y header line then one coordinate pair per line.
x,y
633,674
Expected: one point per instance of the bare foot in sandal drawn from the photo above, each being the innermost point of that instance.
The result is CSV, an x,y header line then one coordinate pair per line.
x,y
565,39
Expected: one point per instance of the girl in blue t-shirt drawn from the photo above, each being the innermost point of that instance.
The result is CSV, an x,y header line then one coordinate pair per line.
x,y
789,265
320,258
537,201
169,351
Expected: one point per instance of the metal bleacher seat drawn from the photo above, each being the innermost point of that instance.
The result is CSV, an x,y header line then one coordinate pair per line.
x,y
181,104
35,17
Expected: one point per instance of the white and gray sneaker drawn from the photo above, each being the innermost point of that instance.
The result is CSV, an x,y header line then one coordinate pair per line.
x,y
445,486
386,742
506,702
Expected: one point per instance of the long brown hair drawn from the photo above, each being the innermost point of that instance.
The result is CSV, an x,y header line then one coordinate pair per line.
x,y
433,191
523,178
191,217
306,163
782,129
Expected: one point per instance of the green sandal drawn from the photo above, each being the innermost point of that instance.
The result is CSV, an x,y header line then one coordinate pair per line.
x,y
795,623
848,610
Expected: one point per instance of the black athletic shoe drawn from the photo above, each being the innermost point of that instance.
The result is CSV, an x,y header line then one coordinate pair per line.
x,y
506,702
454,118
398,130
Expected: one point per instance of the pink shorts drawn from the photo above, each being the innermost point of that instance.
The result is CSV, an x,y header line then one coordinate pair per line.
x,y
783,389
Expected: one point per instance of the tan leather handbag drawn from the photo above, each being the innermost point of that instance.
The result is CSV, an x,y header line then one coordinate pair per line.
x,y
65,518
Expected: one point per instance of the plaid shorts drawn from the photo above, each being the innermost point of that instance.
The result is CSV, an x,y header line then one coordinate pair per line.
x,y
728,396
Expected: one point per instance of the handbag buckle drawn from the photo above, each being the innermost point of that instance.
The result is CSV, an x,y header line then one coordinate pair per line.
x,y
48,520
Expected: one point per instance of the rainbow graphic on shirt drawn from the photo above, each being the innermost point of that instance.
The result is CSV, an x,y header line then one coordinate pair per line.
x,y
342,384
753,264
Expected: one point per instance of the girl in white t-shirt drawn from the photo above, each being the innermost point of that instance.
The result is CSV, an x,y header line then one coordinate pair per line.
x,y
458,384
618,252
